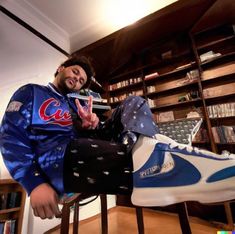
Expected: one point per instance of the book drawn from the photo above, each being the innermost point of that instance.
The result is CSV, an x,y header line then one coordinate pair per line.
x,y
3,201
221,110
98,102
13,200
9,227
84,94
2,223
151,76
165,116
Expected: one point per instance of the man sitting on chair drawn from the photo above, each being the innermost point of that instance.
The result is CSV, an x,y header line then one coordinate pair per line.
x,y
53,144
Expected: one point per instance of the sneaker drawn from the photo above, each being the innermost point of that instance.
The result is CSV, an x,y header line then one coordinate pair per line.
x,y
166,172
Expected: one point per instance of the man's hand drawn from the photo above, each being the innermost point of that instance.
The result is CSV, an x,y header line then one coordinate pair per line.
x,y
89,119
44,201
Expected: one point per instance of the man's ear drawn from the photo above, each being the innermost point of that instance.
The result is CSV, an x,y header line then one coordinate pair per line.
x,y
60,68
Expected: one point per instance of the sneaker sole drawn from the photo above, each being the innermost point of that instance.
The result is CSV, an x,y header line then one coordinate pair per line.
x,y
203,192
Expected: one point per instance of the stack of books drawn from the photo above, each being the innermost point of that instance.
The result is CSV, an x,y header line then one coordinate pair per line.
x,y
99,103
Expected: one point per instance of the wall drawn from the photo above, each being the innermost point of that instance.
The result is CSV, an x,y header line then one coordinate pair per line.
x,y
24,58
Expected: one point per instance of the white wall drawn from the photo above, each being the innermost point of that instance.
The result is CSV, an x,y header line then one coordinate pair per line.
x,y
24,58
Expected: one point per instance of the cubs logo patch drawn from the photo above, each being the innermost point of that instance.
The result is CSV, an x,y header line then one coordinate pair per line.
x,y
60,117
14,106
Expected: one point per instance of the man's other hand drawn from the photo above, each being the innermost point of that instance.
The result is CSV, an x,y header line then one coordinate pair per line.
x,y
44,201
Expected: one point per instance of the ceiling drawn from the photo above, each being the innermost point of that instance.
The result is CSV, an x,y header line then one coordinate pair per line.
x,y
73,24
81,26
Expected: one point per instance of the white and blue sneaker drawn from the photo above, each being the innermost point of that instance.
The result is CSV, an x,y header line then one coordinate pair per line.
x,y
166,172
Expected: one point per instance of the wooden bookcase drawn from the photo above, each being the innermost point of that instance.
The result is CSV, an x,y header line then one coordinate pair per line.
x,y
217,82
172,77
7,187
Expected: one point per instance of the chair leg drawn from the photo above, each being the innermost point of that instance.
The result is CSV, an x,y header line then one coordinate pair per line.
x,y
65,220
140,220
76,218
104,214
229,215
183,217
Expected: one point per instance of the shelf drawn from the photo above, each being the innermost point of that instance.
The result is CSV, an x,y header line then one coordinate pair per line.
x,y
142,69
178,104
6,211
173,89
218,99
219,59
7,181
226,144
125,87
222,118
215,42
171,73
216,78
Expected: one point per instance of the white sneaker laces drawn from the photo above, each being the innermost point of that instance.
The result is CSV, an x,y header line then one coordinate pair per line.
x,y
173,144
183,146
225,154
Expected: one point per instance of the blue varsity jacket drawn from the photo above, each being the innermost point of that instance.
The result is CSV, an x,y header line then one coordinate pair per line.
x,y
35,131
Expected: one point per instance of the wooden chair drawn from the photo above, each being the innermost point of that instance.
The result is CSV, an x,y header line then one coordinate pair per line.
x,y
125,200
75,200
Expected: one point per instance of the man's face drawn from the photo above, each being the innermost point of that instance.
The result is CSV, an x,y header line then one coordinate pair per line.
x,y
70,79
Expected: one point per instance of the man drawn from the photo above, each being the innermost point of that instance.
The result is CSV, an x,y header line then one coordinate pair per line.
x,y
43,129
53,144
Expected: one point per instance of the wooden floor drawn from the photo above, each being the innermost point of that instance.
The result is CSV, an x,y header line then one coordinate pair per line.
x,y
122,220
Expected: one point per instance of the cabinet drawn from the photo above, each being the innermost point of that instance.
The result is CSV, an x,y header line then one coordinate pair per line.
x,y
12,203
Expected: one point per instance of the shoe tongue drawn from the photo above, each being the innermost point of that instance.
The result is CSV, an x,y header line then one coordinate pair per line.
x,y
164,139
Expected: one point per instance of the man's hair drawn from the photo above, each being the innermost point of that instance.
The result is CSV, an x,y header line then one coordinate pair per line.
x,y
83,62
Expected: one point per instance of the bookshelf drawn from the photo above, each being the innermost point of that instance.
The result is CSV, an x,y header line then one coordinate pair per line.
x,y
191,72
12,203
168,79
215,50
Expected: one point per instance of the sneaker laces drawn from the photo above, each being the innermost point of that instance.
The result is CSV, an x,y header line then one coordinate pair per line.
x,y
190,149
227,154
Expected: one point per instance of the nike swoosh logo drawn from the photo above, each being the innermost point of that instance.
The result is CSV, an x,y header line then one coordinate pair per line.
x,y
175,177
222,174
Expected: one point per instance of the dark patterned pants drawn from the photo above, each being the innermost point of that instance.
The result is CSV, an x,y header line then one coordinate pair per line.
x,y
99,163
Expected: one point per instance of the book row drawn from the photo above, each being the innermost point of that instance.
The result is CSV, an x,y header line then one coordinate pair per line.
x,y
224,134
7,226
124,83
125,95
191,76
221,110
10,200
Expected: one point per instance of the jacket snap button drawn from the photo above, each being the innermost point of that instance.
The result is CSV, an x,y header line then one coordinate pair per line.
x,y
36,173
